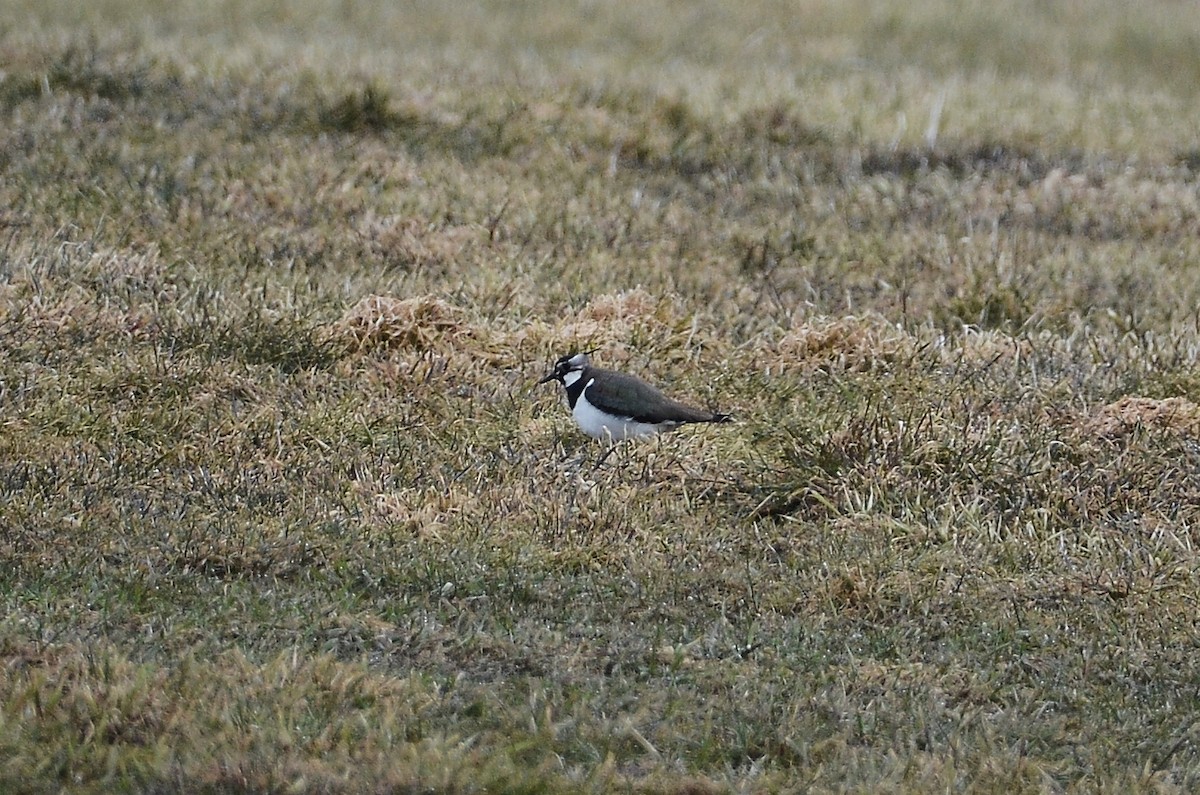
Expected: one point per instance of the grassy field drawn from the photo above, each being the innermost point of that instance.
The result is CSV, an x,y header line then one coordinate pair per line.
x,y
282,509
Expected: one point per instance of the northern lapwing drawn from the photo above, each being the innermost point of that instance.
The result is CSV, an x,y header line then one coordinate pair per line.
x,y
615,406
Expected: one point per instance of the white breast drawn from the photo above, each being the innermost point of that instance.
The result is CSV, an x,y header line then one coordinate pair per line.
x,y
599,425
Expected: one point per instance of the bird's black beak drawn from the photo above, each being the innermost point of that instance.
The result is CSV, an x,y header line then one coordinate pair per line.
x,y
550,376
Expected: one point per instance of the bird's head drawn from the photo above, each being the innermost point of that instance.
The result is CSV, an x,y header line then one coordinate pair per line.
x,y
572,363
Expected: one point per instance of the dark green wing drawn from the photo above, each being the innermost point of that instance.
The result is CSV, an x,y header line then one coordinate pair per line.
x,y
628,397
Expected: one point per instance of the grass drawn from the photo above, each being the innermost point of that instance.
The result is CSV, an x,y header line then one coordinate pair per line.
x,y
283,509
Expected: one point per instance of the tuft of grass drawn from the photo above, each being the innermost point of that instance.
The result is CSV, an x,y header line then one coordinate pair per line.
x,y
367,110
87,70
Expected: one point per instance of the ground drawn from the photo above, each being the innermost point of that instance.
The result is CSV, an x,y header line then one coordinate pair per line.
x,y
282,507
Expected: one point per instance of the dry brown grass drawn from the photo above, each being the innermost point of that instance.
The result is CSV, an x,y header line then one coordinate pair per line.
x,y
283,508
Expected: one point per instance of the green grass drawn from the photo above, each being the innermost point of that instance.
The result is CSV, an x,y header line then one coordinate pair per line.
x,y
282,508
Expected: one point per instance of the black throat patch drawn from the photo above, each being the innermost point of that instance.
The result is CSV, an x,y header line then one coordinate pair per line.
x,y
576,389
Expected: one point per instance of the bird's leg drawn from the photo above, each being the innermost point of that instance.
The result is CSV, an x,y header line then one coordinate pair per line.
x,y
649,460
611,446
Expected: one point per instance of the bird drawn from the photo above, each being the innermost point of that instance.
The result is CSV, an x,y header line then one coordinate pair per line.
x,y
615,406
